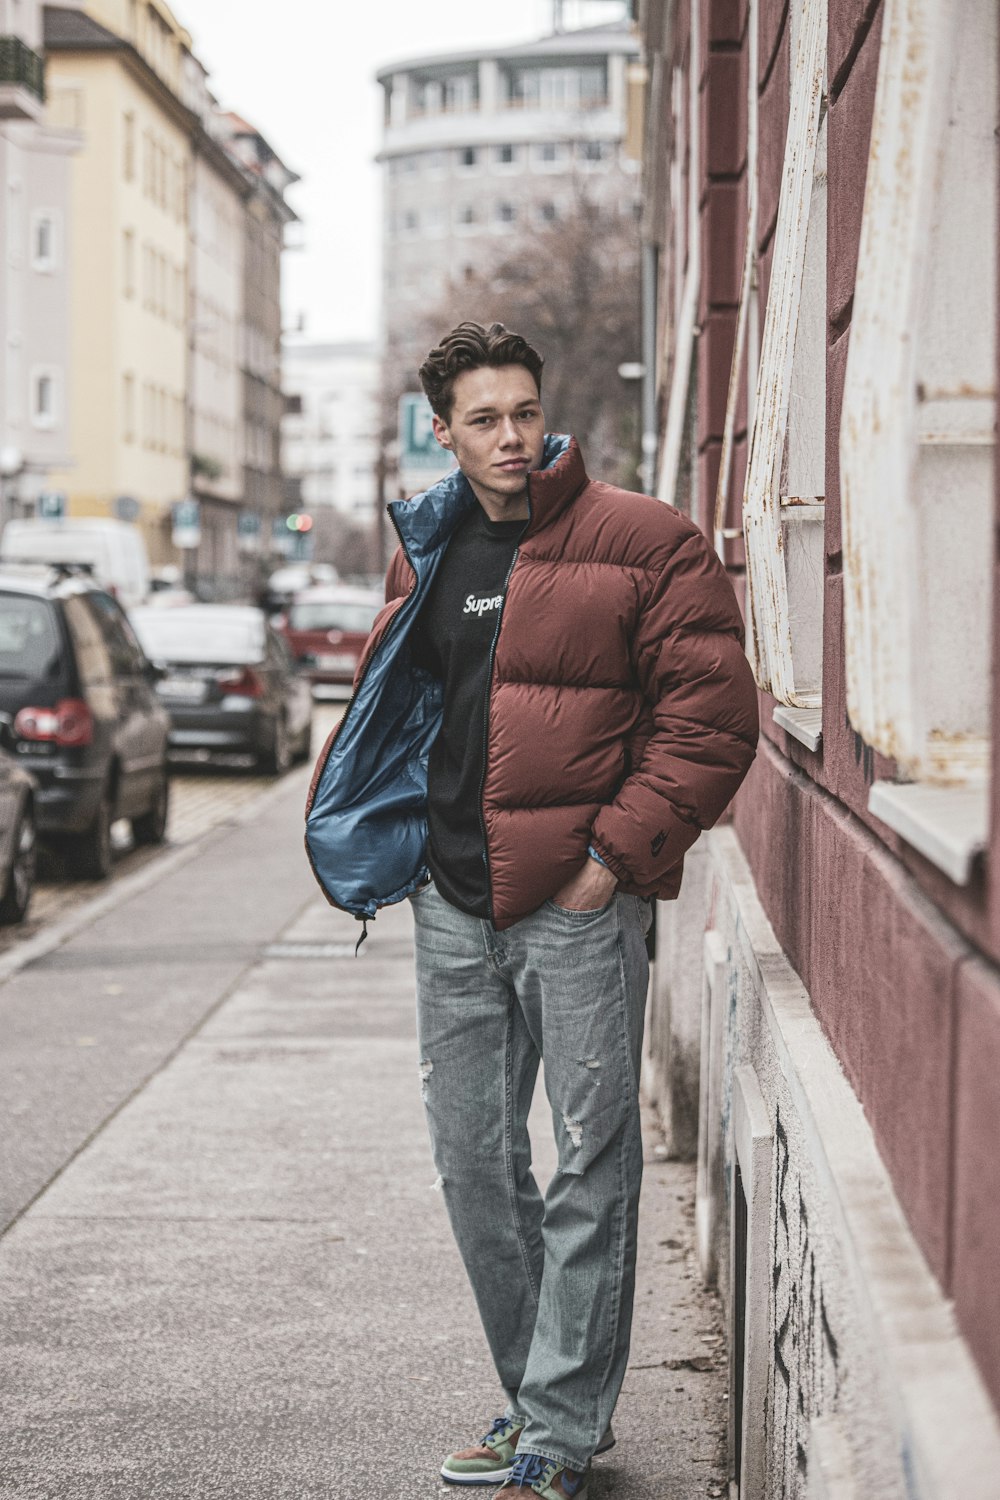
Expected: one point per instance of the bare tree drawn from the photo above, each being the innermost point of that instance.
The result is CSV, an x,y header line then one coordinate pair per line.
x,y
572,289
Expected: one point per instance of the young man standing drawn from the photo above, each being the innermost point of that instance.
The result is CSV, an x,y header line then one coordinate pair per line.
x,y
552,706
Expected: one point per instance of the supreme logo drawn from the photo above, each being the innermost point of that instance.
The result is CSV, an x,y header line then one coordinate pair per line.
x,y
657,844
474,606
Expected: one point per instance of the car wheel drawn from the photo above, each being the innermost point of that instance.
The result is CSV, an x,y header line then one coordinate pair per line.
x,y
151,826
21,880
277,760
91,851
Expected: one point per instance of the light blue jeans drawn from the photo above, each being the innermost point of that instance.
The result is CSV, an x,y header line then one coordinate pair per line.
x,y
554,1280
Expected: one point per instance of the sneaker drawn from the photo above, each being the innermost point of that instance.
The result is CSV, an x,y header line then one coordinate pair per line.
x,y
490,1461
532,1475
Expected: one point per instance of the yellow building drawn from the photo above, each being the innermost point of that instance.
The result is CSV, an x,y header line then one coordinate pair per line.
x,y
115,71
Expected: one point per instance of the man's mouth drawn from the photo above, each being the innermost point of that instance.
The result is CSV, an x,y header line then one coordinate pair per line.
x,y
513,465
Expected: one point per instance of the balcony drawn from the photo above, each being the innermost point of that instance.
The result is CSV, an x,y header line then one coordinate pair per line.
x,y
22,81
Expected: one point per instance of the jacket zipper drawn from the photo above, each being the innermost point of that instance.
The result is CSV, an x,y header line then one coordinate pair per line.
x,y
486,717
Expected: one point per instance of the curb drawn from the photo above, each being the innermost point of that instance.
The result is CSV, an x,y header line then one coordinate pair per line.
x,y
122,891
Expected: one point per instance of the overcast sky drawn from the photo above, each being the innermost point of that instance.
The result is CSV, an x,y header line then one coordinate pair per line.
x,y
304,75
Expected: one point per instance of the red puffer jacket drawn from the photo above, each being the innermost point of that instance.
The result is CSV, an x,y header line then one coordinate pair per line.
x,y
622,711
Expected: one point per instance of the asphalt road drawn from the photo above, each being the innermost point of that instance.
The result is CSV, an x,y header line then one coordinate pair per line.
x,y
224,1271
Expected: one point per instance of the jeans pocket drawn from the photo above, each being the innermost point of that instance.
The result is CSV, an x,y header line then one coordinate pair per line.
x,y
582,916
421,890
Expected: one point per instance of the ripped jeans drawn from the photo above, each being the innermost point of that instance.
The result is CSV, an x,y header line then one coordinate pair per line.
x,y
554,1280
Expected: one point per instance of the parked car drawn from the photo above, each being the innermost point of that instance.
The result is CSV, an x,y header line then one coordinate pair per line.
x,y
228,682
84,716
284,583
326,630
17,834
113,550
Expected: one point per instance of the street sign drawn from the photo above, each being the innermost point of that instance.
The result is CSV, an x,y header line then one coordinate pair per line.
x,y
126,508
51,505
186,517
418,447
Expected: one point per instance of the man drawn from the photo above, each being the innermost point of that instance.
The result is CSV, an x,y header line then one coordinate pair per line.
x,y
552,705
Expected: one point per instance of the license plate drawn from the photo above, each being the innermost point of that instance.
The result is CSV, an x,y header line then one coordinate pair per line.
x,y
182,687
338,662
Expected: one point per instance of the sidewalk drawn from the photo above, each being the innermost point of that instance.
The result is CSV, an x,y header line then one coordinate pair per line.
x,y
243,1284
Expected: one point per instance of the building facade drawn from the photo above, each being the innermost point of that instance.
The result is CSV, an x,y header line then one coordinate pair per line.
x,y
821,347
35,235
118,70
481,148
178,213
331,437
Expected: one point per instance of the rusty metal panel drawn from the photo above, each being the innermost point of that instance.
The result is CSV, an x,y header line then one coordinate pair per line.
x,y
917,435
771,618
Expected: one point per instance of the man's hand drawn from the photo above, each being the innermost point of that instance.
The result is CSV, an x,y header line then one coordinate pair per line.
x,y
591,887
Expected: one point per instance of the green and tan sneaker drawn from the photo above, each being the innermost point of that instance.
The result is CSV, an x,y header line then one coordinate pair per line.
x,y
489,1462
532,1475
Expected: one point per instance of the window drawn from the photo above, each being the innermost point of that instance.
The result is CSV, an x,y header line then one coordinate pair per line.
x,y
411,221
466,217
43,241
128,147
128,407
505,213
468,156
128,262
561,88
917,437
784,492
506,156
547,212
551,155
43,398
595,153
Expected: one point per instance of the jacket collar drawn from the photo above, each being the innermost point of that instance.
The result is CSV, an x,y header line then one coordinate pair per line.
x,y
426,522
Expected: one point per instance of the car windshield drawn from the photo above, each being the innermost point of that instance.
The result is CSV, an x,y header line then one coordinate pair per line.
x,y
29,640
329,615
177,635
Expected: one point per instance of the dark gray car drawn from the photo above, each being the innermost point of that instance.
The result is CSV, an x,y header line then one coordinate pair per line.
x,y
228,682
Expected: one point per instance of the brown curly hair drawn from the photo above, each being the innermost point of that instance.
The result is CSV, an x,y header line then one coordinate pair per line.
x,y
469,347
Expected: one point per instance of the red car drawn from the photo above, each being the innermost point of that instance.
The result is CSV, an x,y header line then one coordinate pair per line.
x,y
326,629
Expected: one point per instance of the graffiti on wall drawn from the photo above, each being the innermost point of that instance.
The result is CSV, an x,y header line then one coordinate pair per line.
x,y
805,1371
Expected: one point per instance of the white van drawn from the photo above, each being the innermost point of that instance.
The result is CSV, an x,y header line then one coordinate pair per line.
x,y
114,550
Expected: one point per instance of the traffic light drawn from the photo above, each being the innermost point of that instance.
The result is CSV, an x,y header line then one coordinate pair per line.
x,y
299,521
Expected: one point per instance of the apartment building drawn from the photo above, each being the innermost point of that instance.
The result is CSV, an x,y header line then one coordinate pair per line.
x,y
35,238
331,434
481,148
115,70
822,248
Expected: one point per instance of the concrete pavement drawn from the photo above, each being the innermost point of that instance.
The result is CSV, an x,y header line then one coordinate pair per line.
x,y
227,1274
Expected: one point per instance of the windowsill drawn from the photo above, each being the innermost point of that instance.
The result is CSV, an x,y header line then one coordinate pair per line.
x,y
948,825
803,724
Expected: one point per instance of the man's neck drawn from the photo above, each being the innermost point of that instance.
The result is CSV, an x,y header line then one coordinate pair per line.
x,y
498,507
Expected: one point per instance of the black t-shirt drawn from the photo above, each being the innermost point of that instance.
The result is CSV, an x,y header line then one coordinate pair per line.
x,y
453,639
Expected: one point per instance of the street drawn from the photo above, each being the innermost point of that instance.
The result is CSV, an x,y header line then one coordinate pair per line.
x,y
223,1269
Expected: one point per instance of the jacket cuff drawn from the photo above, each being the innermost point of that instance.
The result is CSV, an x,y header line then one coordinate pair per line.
x,y
597,851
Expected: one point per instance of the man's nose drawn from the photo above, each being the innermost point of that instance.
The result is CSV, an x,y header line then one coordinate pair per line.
x,y
509,434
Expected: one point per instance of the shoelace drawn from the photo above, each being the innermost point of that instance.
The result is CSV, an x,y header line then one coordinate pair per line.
x,y
527,1469
501,1426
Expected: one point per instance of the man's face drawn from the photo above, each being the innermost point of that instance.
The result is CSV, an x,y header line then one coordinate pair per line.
x,y
496,429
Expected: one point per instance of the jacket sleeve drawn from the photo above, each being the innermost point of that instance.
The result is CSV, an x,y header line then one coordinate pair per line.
x,y
689,658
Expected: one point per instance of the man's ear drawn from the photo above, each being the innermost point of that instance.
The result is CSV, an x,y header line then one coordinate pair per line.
x,y
441,433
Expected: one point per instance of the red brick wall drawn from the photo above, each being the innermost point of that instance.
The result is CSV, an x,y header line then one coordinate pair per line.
x,y
900,963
